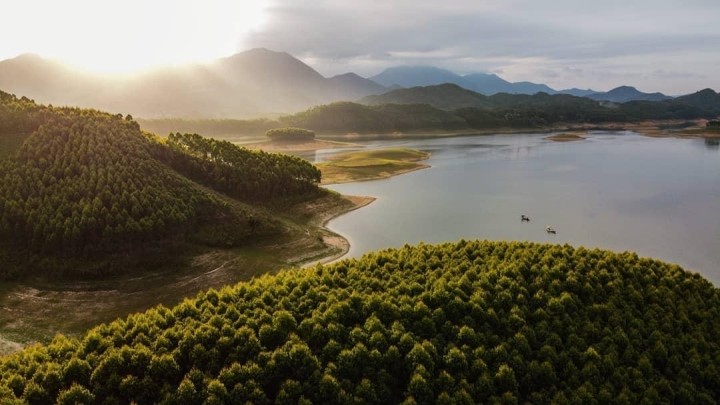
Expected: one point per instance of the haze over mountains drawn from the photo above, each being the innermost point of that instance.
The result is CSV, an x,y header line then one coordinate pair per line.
x,y
451,97
251,83
258,82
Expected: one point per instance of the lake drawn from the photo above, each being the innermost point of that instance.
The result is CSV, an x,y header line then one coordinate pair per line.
x,y
659,197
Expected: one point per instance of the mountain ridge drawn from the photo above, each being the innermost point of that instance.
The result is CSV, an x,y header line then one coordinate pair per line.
x,y
254,83
248,84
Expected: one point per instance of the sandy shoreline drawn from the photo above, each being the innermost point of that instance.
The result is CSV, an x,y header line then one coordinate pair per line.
x,y
382,176
333,239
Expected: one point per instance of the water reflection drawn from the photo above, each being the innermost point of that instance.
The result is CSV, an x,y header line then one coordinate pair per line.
x,y
712,143
619,191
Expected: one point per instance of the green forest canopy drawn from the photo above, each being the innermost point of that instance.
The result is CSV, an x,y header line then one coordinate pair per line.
x,y
83,182
463,323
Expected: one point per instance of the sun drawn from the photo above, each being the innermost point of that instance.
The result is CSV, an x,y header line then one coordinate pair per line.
x,y
129,35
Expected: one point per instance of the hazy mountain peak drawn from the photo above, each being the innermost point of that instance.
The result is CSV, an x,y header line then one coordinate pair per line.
x,y
418,75
28,57
349,75
623,88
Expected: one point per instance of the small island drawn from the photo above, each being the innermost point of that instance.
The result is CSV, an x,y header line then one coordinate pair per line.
x,y
371,164
566,137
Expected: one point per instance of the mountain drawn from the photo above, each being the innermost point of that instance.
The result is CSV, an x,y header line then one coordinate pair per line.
x,y
452,97
624,94
577,92
483,83
531,88
413,76
488,84
251,83
444,96
706,99
352,87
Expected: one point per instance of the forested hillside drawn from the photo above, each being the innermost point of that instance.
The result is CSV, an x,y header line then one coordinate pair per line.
x,y
471,322
84,183
449,107
352,117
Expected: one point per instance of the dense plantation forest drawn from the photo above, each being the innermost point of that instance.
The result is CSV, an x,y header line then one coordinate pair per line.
x,y
252,176
83,182
463,323
451,108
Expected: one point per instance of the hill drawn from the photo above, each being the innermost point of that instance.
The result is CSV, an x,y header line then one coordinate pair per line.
x,y
84,185
483,83
449,107
471,322
706,99
251,83
624,94
452,97
345,117
444,96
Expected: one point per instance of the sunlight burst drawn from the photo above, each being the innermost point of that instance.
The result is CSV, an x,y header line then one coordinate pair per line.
x,y
129,35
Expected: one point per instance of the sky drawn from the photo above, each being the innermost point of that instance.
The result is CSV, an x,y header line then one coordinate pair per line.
x,y
671,46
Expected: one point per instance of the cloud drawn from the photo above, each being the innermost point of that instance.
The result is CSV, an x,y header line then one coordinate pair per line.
x,y
604,42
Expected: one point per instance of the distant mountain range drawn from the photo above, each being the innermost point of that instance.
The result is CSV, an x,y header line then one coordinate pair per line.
x,y
489,84
450,97
484,83
251,83
258,82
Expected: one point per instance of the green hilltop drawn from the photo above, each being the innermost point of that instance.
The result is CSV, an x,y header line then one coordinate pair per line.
x,y
463,323
82,185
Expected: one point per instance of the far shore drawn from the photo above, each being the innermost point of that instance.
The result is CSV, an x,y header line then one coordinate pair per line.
x,y
653,128
270,146
567,137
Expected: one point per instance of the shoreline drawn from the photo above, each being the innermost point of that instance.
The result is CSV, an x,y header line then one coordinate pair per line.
x,y
334,239
383,176
654,128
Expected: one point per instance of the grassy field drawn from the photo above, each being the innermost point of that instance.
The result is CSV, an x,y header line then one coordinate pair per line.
x,y
36,310
371,164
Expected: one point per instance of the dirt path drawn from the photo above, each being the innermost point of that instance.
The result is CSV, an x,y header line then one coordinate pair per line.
x,y
36,311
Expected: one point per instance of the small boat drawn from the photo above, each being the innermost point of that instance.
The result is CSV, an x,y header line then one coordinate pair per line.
x,y
549,229
524,218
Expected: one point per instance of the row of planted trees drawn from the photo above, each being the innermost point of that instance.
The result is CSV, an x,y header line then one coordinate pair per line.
x,y
472,322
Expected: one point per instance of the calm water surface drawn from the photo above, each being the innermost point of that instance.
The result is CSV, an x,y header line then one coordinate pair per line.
x,y
615,190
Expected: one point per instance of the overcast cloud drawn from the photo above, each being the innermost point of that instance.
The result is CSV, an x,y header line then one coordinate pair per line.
x,y
657,45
